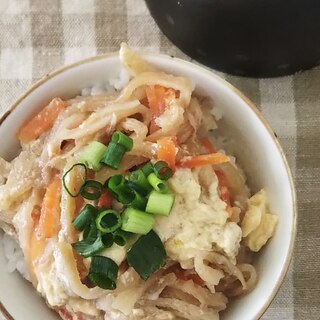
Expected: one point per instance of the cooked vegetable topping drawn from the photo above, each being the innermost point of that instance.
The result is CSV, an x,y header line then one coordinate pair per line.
x,y
75,193
159,203
143,193
157,184
108,221
137,221
42,122
203,159
49,222
103,272
92,155
147,255
167,150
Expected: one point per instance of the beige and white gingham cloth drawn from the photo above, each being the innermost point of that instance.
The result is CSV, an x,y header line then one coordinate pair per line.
x,y
37,36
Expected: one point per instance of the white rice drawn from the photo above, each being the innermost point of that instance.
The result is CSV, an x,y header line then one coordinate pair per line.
x,y
217,113
14,255
112,85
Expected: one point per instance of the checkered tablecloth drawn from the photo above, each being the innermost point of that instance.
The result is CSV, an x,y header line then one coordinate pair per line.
x,y
37,36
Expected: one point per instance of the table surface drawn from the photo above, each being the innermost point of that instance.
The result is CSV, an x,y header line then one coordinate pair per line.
x,y
37,36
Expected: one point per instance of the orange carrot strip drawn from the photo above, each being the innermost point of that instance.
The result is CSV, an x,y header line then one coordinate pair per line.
x,y
167,150
49,223
105,200
158,98
42,122
202,160
206,143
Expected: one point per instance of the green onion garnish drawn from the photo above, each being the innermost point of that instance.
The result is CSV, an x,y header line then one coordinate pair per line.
x,y
103,272
107,240
162,170
147,168
91,244
83,220
116,185
92,155
91,190
114,154
119,189
147,255
120,138
140,179
75,193
137,201
87,249
137,221
121,237
133,186
157,184
108,221
159,203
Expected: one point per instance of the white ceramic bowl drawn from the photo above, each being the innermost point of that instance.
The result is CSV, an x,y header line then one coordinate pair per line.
x,y
256,147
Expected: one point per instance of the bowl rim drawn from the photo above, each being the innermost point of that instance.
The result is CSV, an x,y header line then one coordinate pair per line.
x,y
5,313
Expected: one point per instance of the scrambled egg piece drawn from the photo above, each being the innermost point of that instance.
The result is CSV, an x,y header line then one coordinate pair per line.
x,y
258,225
198,220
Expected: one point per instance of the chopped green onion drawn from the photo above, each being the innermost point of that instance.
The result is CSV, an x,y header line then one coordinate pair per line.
x,y
147,168
119,189
139,178
121,237
137,221
147,255
87,249
114,154
83,220
119,137
87,230
162,170
91,244
75,193
91,190
137,201
133,186
103,272
92,155
157,184
108,221
116,185
107,240
159,203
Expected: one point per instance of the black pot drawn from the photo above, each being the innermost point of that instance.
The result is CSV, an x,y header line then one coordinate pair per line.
x,y
255,38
